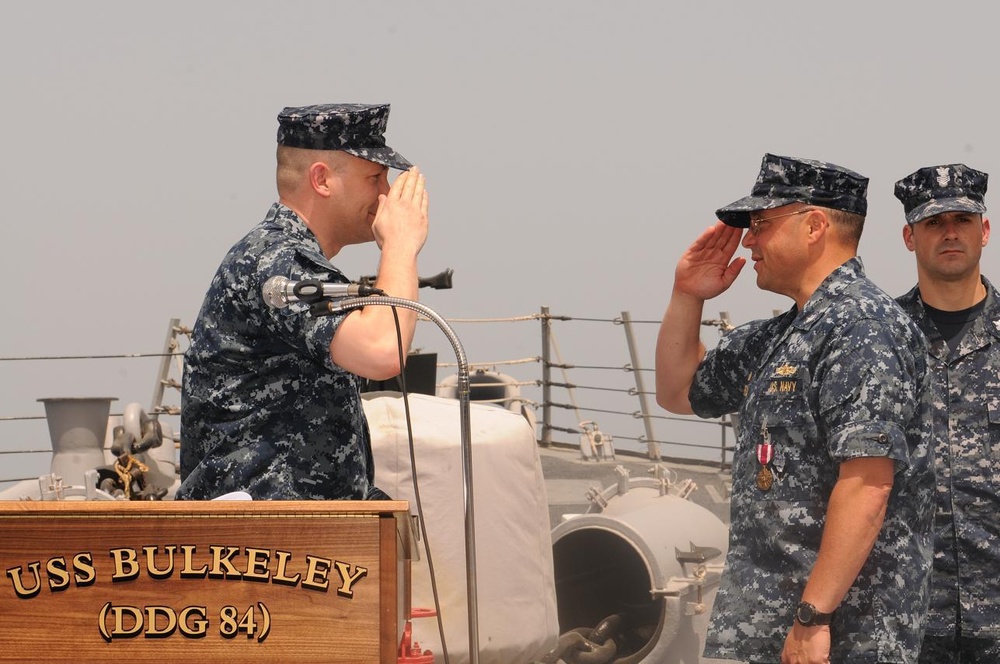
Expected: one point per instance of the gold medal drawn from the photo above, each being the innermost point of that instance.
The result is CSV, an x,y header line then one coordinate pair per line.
x,y
765,479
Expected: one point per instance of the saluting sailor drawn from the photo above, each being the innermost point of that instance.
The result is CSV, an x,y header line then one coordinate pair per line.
x,y
270,402
830,549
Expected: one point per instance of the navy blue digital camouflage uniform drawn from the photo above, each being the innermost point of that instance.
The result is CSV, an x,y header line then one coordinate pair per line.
x,y
966,389
264,409
846,377
843,378
964,621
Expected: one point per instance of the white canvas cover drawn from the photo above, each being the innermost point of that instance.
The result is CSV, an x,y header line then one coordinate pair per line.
x,y
515,584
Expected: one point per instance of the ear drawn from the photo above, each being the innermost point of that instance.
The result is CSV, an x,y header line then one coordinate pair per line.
x,y
908,236
986,230
817,224
321,178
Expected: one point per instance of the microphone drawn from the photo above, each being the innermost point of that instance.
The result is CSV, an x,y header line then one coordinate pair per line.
x,y
280,291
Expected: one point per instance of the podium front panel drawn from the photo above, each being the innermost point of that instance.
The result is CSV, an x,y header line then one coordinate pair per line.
x,y
202,581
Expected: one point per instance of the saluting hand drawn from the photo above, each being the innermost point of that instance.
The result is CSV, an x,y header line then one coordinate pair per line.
x,y
708,268
401,219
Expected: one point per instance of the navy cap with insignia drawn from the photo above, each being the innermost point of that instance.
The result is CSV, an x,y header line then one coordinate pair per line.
x,y
787,180
936,189
356,129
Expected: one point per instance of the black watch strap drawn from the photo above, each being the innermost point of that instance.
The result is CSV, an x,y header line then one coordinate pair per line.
x,y
807,615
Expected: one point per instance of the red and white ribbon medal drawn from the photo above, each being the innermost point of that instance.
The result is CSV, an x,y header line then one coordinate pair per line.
x,y
765,453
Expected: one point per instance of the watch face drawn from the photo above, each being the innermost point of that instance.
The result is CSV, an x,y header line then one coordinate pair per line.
x,y
807,615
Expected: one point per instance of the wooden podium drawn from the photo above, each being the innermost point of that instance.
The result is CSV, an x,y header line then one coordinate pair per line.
x,y
246,581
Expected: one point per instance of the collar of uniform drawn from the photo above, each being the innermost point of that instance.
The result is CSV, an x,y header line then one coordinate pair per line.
x,y
991,310
936,345
833,286
283,217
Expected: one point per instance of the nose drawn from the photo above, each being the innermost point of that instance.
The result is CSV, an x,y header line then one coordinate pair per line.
x,y
749,238
383,184
951,229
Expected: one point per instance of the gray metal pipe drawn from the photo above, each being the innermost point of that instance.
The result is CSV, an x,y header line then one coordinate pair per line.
x,y
465,417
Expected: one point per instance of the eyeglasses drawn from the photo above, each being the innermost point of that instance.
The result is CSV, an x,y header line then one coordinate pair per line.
x,y
755,223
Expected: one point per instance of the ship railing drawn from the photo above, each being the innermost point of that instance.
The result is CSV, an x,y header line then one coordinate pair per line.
x,y
616,393
569,399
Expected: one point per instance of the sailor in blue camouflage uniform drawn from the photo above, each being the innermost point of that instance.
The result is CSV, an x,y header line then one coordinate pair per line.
x,y
959,312
270,400
832,500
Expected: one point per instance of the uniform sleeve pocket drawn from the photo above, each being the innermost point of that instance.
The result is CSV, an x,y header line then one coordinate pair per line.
x,y
993,406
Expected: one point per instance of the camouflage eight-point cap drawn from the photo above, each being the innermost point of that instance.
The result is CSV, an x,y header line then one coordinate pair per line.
x,y
787,180
936,189
357,129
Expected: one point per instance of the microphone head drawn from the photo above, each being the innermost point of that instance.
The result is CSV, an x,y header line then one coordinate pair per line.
x,y
274,292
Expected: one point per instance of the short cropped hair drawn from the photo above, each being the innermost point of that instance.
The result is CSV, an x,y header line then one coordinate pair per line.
x,y
294,163
849,225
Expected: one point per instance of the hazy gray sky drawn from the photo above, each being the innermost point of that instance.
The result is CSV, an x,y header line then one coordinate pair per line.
x,y
572,149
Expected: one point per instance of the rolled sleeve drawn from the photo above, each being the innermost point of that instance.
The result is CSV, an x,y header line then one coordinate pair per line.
x,y
870,439
869,393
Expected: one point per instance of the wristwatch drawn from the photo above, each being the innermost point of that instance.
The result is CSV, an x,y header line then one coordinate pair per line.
x,y
807,615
